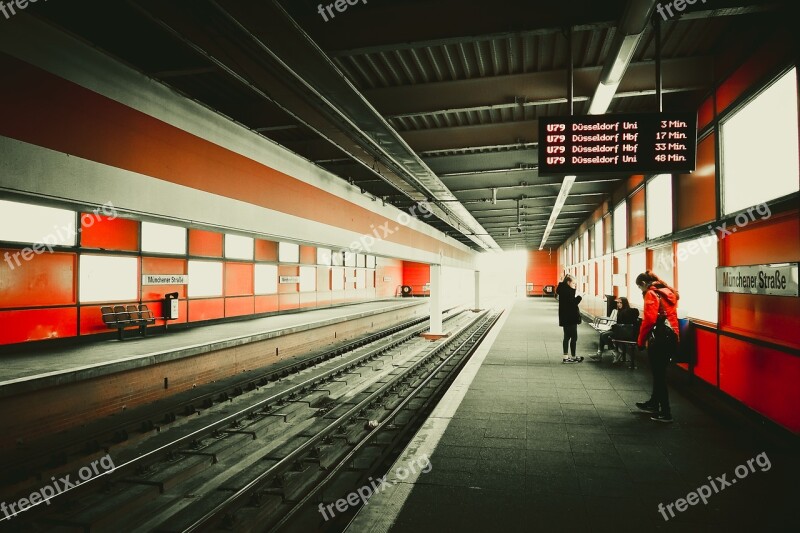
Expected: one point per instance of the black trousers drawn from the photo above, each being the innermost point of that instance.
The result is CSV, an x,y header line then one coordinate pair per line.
x,y
659,360
605,340
570,338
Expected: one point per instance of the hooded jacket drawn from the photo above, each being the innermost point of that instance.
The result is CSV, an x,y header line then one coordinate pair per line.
x,y
669,302
568,313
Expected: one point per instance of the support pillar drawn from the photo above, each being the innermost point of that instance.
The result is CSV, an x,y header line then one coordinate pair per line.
x,y
436,300
477,291
436,331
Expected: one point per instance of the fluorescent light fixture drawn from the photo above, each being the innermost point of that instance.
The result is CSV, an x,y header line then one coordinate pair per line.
x,y
560,201
623,59
602,98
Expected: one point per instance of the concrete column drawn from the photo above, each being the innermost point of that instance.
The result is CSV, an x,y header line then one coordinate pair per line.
x,y
436,300
477,290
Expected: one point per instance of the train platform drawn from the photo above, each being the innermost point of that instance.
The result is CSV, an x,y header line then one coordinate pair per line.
x,y
64,388
35,369
522,442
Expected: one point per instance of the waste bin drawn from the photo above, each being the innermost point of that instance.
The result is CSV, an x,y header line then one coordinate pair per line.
x,y
169,306
687,345
611,304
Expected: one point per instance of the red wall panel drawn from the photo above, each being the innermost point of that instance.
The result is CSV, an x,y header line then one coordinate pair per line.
x,y
45,279
771,317
162,265
38,324
266,250
239,306
416,274
205,243
705,114
706,349
763,379
98,231
697,192
308,255
266,304
636,219
542,269
239,279
775,240
206,309
633,182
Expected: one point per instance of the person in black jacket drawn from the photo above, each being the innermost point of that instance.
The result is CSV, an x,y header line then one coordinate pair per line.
x,y
569,316
625,328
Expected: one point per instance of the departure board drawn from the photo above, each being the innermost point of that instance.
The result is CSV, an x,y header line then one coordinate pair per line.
x,y
632,143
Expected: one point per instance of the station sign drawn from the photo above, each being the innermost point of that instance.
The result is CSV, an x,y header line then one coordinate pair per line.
x,y
774,279
626,143
289,279
165,279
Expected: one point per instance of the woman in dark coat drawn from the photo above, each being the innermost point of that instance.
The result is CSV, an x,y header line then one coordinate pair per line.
x,y
625,328
569,316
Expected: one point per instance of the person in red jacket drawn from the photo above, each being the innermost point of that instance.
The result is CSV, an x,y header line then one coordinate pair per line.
x,y
657,295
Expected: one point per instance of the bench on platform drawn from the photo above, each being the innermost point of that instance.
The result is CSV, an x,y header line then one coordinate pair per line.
x,y
629,347
119,317
602,325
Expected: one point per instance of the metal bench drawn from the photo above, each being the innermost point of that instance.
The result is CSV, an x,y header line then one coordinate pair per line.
x,y
599,325
119,317
629,347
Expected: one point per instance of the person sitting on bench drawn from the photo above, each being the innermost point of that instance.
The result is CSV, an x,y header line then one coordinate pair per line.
x,y
604,327
625,328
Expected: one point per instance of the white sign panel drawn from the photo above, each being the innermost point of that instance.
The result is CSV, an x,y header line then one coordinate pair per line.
x,y
776,279
290,279
165,279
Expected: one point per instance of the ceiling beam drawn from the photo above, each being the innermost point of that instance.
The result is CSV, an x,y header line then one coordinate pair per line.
x,y
536,88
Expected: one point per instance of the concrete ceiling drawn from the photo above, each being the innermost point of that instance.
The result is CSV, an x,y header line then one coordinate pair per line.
x,y
418,100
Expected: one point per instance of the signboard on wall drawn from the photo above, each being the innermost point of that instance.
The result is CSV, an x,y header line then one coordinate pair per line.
x,y
623,143
165,279
775,279
289,279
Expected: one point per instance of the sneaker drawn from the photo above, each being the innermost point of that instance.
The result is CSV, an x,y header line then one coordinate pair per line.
x,y
569,360
647,407
578,359
662,418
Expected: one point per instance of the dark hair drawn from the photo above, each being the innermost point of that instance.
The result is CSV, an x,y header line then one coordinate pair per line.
x,y
624,302
648,277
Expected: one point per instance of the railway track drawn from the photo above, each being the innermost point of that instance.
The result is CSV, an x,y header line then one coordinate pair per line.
x,y
265,458
74,447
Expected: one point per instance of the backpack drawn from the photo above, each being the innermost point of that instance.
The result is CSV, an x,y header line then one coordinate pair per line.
x,y
664,337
